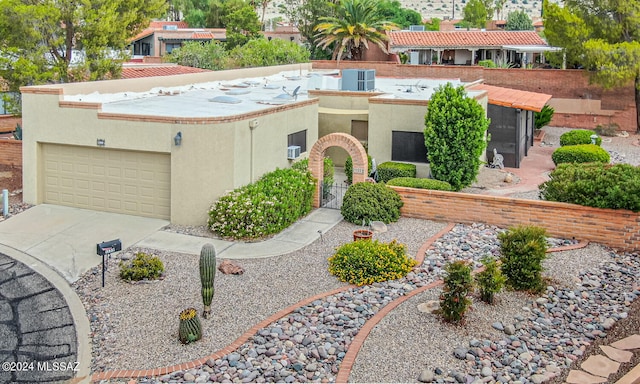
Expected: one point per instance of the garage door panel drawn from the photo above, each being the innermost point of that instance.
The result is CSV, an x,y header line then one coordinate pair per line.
x,y
136,183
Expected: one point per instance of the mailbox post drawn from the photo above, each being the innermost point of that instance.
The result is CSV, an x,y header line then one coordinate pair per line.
x,y
106,248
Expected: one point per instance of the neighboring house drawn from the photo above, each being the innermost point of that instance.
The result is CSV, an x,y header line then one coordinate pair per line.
x,y
162,37
469,47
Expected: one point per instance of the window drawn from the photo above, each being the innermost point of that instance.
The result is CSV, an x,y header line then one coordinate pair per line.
x,y
169,47
408,146
298,138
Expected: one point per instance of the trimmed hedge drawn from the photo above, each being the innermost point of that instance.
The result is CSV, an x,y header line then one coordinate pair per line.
x,y
594,185
390,170
371,202
265,207
582,153
366,262
348,168
412,182
578,136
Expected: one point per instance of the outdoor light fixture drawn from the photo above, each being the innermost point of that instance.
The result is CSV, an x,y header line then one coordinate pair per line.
x,y
177,140
100,142
594,138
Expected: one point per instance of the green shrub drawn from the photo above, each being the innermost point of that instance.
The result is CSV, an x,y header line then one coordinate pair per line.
x,y
487,63
594,185
411,182
265,207
458,284
523,249
366,262
327,177
348,168
455,127
491,280
607,129
543,117
578,136
142,266
390,170
371,201
581,153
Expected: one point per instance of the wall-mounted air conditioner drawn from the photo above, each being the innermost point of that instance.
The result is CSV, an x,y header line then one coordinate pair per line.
x,y
293,152
358,79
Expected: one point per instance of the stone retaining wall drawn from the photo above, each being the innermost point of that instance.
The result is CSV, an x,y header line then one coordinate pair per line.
x,y
618,229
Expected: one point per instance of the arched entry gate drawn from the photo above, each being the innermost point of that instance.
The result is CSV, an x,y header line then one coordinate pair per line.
x,y
349,144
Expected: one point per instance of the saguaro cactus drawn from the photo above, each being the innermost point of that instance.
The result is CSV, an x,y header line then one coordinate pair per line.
x,y
207,276
190,328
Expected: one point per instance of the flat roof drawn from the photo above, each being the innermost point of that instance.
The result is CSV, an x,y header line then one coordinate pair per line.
x,y
246,95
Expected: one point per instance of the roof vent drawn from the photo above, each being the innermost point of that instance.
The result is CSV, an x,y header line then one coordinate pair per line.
x,y
225,100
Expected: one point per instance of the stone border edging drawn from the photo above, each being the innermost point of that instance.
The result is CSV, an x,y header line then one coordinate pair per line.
x,y
349,359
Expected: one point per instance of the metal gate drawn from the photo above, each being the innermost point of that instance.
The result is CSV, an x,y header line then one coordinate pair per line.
x,y
332,195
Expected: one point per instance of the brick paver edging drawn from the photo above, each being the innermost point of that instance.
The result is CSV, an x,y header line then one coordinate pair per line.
x,y
352,352
358,341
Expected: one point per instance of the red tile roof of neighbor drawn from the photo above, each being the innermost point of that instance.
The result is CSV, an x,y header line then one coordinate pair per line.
x,y
513,98
160,24
130,72
454,39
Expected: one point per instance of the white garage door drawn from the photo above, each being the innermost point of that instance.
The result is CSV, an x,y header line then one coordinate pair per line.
x,y
129,182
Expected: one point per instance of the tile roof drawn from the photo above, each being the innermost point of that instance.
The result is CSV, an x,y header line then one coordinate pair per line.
x,y
456,39
133,71
513,98
160,24
202,35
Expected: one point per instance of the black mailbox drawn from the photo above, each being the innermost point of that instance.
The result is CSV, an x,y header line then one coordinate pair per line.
x,y
108,247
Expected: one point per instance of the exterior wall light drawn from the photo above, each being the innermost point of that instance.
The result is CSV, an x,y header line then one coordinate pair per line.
x,y
177,139
594,137
100,142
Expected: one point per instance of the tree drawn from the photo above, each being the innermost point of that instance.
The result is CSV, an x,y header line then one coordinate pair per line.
x,y
68,40
603,35
242,26
210,55
454,135
518,21
306,14
498,7
475,14
402,17
262,53
433,25
356,23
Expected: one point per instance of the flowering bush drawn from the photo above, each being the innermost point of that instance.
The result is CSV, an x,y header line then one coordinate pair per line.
x,y
265,207
365,262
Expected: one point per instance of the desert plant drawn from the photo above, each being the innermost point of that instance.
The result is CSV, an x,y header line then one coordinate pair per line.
x,y
367,262
523,249
391,169
607,129
348,168
17,134
491,280
487,63
455,127
190,328
207,276
543,117
412,182
142,266
458,284
265,207
578,136
581,153
594,185
371,201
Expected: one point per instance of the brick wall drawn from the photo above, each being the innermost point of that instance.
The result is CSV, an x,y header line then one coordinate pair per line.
x,y
616,228
8,123
11,152
566,84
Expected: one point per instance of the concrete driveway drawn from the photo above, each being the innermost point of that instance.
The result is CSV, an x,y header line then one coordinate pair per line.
x,y
65,238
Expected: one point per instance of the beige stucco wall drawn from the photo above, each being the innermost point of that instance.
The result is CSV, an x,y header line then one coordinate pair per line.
x,y
216,155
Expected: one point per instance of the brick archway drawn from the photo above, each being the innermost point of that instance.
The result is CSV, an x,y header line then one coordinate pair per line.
x,y
349,144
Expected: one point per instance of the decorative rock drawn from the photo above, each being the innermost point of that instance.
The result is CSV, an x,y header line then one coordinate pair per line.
x,y
460,353
229,268
189,377
498,325
509,329
486,372
429,307
426,376
378,226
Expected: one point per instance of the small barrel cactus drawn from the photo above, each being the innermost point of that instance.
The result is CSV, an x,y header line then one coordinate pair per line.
x,y
207,276
190,328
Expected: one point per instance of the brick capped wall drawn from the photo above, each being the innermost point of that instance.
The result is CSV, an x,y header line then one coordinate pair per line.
x,y
11,152
8,123
565,84
616,228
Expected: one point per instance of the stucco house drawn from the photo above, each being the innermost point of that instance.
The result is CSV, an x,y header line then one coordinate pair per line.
x,y
167,147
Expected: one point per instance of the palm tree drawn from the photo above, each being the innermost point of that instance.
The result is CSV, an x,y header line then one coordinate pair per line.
x,y
355,24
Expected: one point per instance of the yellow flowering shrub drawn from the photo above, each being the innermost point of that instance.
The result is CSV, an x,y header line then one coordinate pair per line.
x,y
365,262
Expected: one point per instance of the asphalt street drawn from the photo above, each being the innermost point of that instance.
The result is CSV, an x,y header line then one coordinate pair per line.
x,y
38,342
